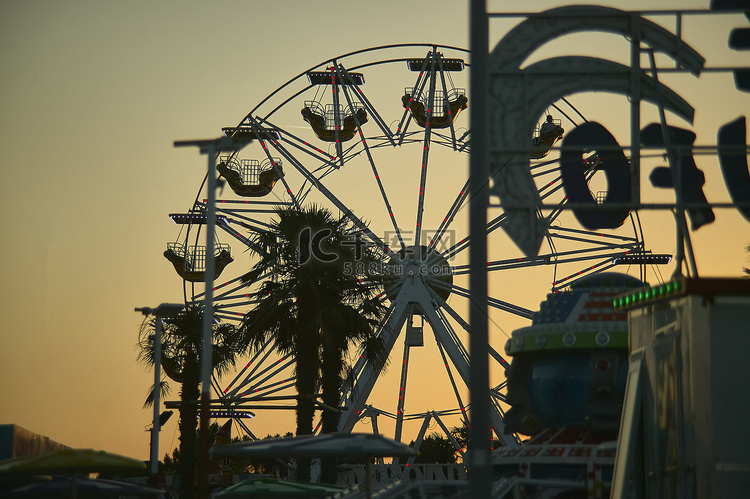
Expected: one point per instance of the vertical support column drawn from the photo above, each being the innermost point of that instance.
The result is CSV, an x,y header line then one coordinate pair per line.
x,y
211,148
635,117
155,428
479,447
163,310
208,316
635,108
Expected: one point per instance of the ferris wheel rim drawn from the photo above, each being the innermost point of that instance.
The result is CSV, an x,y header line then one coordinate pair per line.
x,y
526,312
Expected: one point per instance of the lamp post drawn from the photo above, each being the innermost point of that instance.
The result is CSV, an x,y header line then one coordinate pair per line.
x,y
479,448
163,310
211,148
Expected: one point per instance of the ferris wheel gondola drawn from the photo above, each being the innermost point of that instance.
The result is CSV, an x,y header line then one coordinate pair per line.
x,y
190,260
431,106
251,177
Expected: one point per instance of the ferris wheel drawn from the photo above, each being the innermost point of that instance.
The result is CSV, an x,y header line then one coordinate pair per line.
x,y
382,135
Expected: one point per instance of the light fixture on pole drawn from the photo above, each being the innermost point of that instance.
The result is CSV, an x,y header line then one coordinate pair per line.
x,y
211,148
160,312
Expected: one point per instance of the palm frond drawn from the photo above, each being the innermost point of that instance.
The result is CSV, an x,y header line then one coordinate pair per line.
x,y
164,390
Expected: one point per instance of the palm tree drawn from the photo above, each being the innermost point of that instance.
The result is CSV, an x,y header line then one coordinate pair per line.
x,y
344,325
180,358
313,303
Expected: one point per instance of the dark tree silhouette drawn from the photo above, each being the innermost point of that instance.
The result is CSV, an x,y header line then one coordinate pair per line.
x,y
315,299
180,358
435,448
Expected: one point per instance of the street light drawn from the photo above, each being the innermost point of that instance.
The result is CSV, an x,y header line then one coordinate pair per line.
x,y
163,310
211,148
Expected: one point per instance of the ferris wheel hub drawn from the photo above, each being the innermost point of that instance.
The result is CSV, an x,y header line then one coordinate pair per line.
x,y
427,265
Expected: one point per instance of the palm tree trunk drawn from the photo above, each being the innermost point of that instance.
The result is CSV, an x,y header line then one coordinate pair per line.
x,y
331,383
306,378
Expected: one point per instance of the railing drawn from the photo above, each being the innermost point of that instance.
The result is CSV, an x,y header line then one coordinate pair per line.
x,y
250,169
385,473
330,112
195,256
440,102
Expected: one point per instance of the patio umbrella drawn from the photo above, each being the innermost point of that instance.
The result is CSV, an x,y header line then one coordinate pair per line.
x,y
276,489
344,445
70,462
85,488
352,445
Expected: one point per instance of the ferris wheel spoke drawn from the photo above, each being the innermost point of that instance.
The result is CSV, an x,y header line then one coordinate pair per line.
x,y
365,373
425,152
455,348
332,198
466,143
253,385
445,307
215,385
554,186
255,362
443,140
579,255
586,255
384,332
264,393
495,303
456,393
596,238
372,112
442,71
585,272
536,168
464,243
459,356
301,145
407,117
449,218
260,134
379,182
221,295
252,224
422,187
224,224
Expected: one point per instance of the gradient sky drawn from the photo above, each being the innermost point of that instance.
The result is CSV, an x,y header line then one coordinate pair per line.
x,y
92,96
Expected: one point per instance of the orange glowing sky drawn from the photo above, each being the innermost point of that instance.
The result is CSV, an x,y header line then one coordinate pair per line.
x,y
93,95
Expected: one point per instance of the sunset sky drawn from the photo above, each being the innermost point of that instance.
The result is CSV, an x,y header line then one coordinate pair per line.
x,y
94,93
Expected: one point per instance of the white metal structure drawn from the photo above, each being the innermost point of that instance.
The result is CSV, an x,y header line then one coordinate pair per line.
x,y
394,158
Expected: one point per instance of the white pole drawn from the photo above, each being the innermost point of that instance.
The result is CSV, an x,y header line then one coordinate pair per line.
x,y
155,429
211,148
208,316
479,382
